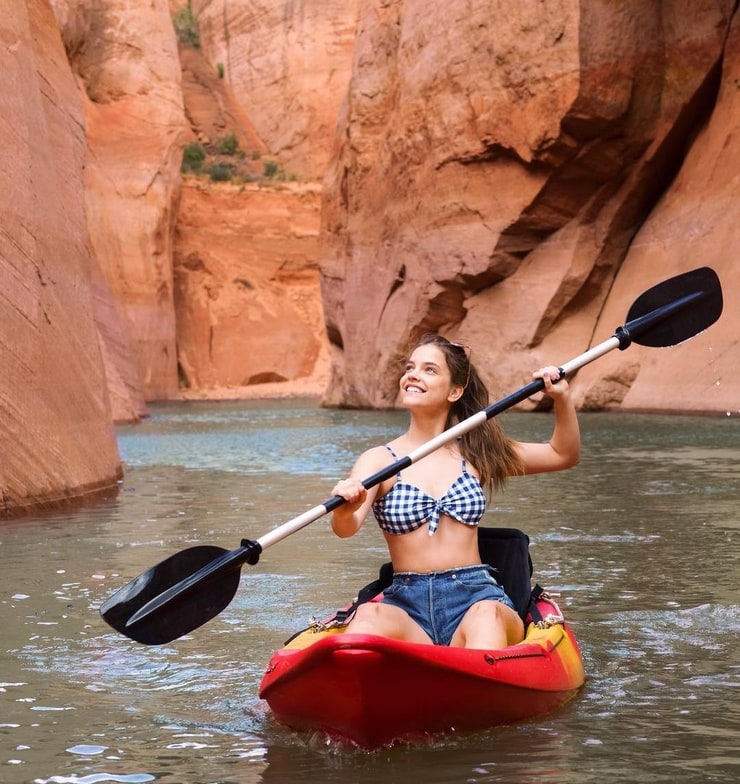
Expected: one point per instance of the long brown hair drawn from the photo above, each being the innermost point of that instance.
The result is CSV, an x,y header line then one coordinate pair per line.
x,y
486,447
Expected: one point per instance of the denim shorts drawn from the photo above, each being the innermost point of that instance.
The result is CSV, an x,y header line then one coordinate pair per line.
x,y
437,601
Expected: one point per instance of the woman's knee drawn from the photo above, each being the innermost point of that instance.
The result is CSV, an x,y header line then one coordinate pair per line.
x,y
368,616
492,621
388,621
488,612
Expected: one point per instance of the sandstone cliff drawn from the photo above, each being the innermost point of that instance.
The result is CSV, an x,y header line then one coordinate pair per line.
x,y
513,175
124,56
144,99
58,441
288,64
247,287
247,302
696,221
516,176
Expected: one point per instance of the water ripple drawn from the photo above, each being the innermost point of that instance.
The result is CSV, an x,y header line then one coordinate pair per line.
x,y
641,540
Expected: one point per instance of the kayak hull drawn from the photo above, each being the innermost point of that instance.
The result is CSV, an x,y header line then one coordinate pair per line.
x,y
373,691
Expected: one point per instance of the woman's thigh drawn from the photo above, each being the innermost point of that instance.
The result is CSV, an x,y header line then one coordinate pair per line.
x,y
387,621
489,625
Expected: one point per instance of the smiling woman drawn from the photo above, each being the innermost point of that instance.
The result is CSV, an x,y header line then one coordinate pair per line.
x,y
430,514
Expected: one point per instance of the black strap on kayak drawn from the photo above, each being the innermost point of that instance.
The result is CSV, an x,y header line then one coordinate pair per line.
x,y
369,592
343,616
534,610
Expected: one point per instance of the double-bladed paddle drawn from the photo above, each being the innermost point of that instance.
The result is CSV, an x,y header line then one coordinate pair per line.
x,y
190,587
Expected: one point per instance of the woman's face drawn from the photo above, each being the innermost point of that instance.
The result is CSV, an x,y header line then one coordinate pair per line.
x,y
426,380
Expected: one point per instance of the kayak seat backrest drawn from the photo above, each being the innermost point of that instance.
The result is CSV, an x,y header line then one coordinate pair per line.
x,y
505,549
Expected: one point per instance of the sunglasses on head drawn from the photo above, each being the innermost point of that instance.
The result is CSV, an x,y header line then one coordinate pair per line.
x,y
467,350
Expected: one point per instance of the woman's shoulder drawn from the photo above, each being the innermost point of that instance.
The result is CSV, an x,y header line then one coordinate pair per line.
x,y
375,458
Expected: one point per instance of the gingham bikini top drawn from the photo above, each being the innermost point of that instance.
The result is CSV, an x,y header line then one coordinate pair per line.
x,y
405,507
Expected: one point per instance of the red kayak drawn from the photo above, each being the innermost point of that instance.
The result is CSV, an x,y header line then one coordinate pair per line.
x,y
373,691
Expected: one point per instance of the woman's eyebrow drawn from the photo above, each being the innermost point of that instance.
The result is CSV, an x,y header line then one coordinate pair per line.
x,y
423,363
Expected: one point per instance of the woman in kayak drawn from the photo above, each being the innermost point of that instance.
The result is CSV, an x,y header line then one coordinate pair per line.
x,y
441,592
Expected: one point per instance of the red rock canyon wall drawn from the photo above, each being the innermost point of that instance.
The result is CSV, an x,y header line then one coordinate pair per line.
x,y
124,56
247,302
58,441
515,177
246,292
288,64
511,174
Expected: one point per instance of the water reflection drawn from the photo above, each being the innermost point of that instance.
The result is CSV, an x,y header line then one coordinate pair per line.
x,y
640,539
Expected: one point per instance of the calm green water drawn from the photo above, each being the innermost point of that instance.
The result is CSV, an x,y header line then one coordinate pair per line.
x,y
642,540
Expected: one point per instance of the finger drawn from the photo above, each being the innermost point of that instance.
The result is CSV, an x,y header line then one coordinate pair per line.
x,y
344,488
550,372
352,492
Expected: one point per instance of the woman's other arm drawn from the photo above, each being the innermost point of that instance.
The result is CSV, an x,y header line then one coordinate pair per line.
x,y
563,450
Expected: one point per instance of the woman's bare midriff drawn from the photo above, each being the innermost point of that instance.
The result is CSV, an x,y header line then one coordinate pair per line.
x,y
454,545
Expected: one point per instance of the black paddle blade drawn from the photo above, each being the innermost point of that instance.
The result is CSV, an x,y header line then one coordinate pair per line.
x,y
676,309
213,597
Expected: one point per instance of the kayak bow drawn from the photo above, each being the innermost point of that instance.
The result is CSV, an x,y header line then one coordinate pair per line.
x,y
374,691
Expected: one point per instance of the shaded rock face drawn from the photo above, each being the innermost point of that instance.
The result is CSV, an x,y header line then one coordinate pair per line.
x,y
247,299
246,285
124,56
696,222
58,442
514,178
288,65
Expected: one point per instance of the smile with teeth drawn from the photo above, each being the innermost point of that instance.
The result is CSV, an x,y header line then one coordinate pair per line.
x,y
414,388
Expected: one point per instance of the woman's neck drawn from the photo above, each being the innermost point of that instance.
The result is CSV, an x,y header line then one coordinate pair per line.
x,y
424,428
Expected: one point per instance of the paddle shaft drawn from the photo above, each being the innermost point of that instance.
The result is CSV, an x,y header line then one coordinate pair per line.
x,y
621,340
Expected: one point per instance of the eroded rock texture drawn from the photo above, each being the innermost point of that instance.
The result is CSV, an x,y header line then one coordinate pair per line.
x,y
57,436
515,175
246,285
288,64
247,301
124,56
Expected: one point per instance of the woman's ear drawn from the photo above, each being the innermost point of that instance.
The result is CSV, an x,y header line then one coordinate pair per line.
x,y
455,394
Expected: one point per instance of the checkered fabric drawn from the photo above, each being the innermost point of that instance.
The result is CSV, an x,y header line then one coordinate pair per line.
x,y
405,507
